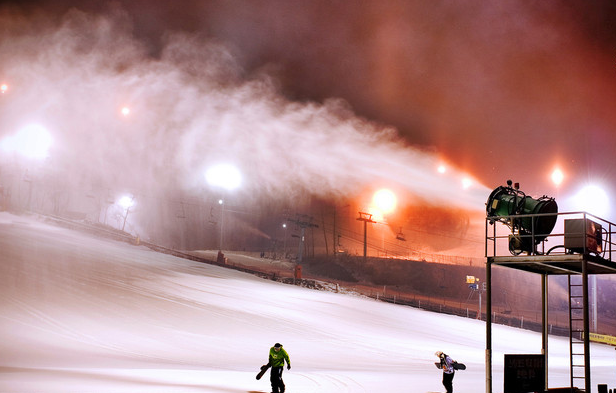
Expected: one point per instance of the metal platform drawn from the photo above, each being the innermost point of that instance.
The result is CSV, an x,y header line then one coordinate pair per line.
x,y
581,245
556,264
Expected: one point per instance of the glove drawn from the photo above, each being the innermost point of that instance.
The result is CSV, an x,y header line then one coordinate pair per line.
x,y
288,366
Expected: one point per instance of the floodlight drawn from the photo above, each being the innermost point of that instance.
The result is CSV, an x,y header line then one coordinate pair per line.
x,y
385,200
537,221
224,175
126,201
592,199
32,141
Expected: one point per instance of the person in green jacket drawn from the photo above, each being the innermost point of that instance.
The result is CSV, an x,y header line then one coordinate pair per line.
x,y
277,357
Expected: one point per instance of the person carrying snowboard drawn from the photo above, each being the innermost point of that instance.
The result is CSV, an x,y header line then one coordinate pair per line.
x,y
447,364
277,357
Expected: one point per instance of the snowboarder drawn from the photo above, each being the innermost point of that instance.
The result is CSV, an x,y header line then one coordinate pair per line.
x,y
277,357
447,364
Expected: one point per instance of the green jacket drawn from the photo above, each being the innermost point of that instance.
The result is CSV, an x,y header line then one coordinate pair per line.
x,y
277,358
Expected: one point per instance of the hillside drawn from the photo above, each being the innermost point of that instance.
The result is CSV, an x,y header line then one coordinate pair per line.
x,y
81,313
516,295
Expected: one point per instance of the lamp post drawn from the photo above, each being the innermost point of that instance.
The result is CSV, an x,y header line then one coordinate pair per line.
x,y
32,142
126,202
228,178
473,284
222,221
284,242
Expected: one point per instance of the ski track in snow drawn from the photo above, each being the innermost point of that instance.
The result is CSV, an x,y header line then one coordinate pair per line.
x,y
82,314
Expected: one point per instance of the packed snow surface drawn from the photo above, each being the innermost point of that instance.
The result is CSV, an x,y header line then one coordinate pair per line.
x,y
85,314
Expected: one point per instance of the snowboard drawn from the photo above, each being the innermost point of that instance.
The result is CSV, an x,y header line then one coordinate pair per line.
x,y
456,366
459,366
263,370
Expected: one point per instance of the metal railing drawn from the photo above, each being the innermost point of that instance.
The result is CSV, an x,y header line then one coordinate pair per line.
x,y
498,234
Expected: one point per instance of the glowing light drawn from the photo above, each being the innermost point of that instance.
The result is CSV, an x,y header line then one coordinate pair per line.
x,y
467,183
441,169
126,202
224,175
557,176
3,88
377,214
125,111
592,199
32,141
385,200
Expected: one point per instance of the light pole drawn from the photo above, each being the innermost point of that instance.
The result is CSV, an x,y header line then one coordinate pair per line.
x,y
126,202
228,178
284,242
32,142
222,221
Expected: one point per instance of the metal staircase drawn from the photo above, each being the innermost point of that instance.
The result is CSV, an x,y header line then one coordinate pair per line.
x,y
577,332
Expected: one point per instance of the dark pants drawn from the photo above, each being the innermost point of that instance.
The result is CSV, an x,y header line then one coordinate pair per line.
x,y
276,380
448,382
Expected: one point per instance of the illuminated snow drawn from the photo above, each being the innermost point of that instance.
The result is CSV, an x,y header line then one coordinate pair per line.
x,y
82,314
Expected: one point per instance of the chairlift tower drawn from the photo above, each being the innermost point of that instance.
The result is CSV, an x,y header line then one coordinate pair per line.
x,y
303,222
366,218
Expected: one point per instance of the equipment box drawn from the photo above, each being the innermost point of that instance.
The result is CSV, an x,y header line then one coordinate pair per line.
x,y
583,236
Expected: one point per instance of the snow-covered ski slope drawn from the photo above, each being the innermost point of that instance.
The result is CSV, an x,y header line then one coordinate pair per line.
x,y
83,314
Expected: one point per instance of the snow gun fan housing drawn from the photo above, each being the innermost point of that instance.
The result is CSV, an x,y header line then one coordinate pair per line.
x,y
506,203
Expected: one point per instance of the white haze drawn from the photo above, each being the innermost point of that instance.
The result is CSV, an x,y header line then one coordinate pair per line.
x,y
82,314
191,108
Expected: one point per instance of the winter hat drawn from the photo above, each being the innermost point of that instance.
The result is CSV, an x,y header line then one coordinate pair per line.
x,y
277,345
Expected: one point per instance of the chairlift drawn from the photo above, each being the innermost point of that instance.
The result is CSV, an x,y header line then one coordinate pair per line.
x,y
400,235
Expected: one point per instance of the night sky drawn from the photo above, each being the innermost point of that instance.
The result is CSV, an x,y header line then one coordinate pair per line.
x,y
496,90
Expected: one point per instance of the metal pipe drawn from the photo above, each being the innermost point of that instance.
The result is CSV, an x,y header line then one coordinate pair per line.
x,y
544,322
489,327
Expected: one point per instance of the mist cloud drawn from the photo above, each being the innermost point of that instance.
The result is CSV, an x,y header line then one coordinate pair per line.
x,y
190,108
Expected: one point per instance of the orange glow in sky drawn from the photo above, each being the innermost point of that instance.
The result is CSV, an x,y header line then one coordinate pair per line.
x,y
385,200
557,176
